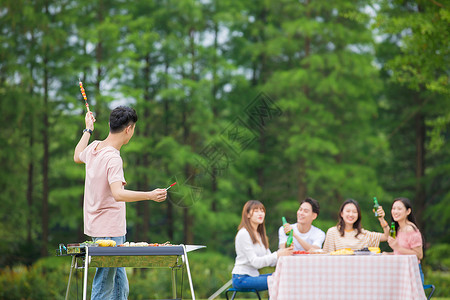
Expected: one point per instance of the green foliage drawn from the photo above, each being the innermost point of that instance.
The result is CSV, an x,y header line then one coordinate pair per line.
x,y
423,28
44,280
441,280
350,108
47,279
437,257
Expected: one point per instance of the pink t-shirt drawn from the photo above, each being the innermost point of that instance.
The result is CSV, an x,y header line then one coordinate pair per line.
x,y
103,215
409,240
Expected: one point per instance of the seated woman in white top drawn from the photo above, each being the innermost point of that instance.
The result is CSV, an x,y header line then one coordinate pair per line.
x,y
348,233
252,249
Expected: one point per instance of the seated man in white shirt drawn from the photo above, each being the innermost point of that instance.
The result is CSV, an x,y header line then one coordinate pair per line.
x,y
306,236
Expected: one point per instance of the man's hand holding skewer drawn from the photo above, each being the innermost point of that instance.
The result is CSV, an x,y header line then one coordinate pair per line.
x,y
158,195
89,119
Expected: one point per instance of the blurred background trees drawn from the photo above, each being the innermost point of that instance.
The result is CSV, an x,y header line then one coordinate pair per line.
x,y
268,100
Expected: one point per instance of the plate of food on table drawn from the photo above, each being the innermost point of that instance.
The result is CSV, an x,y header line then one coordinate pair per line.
x,y
344,251
363,251
300,252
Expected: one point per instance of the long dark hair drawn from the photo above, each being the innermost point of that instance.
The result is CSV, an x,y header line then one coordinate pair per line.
x,y
245,222
407,203
341,224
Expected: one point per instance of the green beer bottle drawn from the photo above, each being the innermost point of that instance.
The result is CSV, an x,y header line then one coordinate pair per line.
x,y
283,219
375,206
392,232
290,238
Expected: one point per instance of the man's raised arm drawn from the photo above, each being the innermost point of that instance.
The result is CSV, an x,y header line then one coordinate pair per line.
x,y
84,141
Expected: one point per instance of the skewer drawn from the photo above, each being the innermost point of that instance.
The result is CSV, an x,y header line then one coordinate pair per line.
x,y
83,93
170,186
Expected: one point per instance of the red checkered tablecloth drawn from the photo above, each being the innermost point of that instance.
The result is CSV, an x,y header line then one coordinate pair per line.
x,y
346,277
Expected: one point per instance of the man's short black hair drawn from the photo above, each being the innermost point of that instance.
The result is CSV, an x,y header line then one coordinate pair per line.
x,y
314,204
121,117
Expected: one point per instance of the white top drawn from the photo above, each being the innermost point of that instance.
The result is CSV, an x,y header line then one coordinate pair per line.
x,y
314,236
251,257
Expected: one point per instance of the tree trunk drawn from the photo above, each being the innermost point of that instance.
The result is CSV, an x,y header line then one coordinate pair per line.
x,y
188,219
45,163
420,196
170,215
301,193
99,61
143,206
215,111
262,150
302,189
80,228
30,183
420,169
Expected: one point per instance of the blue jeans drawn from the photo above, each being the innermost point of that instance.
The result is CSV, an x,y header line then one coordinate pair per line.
x,y
249,282
110,283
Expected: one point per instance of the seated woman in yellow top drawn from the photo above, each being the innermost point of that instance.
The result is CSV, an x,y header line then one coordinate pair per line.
x,y
348,232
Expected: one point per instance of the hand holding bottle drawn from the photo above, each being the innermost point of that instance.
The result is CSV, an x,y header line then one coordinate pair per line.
x,y
380,212
287,228
392,243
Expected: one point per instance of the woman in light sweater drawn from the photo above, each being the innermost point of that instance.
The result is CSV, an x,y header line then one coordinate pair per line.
x,y
252,249
348,233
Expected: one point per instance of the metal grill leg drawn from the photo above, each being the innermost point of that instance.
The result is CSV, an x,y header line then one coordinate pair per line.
x,y
174,284
72,266
86,266
189,273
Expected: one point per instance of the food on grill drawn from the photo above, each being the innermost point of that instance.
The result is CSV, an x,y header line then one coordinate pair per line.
x,y
144,244
89,243
106,243
133,244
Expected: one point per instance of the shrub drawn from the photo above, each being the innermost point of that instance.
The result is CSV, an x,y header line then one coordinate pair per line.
x,y
437,257
441,280
47,279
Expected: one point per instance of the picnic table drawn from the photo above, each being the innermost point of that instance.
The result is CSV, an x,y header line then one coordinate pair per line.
x,y
349,277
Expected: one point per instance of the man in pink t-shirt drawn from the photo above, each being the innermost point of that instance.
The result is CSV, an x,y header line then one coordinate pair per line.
x,y
105,195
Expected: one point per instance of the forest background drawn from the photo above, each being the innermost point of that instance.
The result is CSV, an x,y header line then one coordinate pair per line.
x,y
237,100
